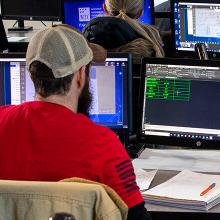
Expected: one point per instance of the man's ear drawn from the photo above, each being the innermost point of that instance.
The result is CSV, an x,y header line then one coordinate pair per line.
x,y
105,8
81,78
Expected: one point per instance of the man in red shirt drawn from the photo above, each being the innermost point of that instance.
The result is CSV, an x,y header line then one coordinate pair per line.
x,y
50,138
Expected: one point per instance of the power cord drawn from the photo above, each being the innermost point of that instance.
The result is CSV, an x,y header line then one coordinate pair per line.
x,y
15,23
43,23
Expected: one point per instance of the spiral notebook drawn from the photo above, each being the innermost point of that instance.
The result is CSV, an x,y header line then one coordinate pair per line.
x,y
188,190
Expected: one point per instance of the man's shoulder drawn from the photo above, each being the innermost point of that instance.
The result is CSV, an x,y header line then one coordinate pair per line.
x,y
7,108
12,112
101,135
95,128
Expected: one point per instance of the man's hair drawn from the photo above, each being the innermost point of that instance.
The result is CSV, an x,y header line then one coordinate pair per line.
x,y
45,83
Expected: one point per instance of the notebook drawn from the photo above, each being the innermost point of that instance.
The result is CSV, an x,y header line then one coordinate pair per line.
x,y
184,191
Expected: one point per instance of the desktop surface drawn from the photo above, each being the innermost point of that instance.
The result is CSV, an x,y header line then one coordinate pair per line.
x,y
18,41
179,102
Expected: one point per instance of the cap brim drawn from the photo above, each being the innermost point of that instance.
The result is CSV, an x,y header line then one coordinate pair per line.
x,y
99,53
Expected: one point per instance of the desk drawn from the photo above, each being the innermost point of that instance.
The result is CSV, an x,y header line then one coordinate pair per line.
x,y
168,213
20,46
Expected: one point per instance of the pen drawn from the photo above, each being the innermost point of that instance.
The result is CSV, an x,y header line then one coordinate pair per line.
x,y
207,189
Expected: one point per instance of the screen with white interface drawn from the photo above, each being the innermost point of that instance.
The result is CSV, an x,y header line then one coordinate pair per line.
x,y
196,22
16,86
181,101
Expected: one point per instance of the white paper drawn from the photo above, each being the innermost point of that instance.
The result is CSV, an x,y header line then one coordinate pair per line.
x,y
144,178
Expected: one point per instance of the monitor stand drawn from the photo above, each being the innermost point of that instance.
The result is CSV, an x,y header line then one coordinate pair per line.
x,y
21,27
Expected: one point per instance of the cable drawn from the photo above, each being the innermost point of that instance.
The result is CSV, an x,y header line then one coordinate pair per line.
x,y
15,23
43,23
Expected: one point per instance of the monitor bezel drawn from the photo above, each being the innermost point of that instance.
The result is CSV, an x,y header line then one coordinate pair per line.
x,y
190,54
30,18
63,14
172,141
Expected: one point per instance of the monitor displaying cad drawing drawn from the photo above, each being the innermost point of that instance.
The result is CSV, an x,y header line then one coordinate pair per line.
x,y
109,85
78,13
196,21
180,102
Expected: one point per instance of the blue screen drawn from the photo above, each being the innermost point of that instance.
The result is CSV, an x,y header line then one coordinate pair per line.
x,y
108,85
78,13
7,84
196,23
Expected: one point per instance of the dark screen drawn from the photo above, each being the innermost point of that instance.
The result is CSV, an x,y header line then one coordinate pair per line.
x,y
34,9
198,110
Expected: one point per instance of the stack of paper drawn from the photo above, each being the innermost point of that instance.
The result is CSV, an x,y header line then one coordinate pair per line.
x,y
184,191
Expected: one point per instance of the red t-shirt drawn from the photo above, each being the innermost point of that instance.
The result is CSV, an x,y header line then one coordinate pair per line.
x,y
43,141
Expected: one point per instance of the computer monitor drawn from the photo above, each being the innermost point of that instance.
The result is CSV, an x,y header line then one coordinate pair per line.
x,y
15,85
180,102
196,21
78,13
109,85
31,10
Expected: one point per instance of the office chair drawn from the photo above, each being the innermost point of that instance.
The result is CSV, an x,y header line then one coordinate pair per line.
x,y
29,200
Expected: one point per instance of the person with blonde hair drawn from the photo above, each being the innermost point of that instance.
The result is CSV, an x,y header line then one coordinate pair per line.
x,y
146,42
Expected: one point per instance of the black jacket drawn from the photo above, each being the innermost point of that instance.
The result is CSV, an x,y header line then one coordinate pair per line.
x,y
109,32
